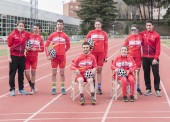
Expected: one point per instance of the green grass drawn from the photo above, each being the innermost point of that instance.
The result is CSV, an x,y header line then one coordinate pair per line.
x,y
166,42
3,52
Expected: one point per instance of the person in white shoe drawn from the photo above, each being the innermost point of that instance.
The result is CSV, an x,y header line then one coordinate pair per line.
x,y
34,45
151,52
16,58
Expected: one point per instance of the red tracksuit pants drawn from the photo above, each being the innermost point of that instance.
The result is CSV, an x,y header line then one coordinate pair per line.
x,y
125,80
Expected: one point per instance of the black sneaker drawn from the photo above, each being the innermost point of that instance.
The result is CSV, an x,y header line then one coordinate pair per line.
x,y
132,99
99,91
139,91
93,100
125,99
82,101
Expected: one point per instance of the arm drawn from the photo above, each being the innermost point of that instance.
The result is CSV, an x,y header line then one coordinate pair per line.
x,y
41,48
46,47
88,36
94,65
67,43
10,43
132,65
74,66
157,48
106,47
126,42
9,55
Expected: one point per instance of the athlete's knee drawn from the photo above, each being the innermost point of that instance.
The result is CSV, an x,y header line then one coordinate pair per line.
x,y
61,72
99,69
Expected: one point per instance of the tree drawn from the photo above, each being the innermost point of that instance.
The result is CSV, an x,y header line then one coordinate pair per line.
x,y
92,9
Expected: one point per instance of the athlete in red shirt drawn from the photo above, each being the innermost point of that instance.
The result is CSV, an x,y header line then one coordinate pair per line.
x,y
134,44
100,49
16,47
37,42
128,64
151,52
81,64
61,43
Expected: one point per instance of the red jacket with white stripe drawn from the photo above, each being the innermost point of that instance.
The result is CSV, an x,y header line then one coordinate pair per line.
x,y
37,42
134,44
84,62
100,41
16,42
60,42
151,44
127,63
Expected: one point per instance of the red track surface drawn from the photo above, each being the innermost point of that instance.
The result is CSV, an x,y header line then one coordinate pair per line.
x,y
47,108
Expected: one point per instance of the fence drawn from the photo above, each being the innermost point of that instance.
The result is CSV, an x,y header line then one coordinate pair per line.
x,y
73,38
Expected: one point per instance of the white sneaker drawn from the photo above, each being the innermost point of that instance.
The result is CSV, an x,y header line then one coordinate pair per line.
x,y
158,94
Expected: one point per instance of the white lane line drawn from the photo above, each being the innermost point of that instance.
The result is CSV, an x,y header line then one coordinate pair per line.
x,y
92,118
166,94
107,110
110,103
7,114
45,106
3,77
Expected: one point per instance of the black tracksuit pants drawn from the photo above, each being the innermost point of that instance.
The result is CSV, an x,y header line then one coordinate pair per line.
x,y
147,65
18,63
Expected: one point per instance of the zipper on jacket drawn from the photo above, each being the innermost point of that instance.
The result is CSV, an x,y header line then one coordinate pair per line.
x,y
20,33
148,43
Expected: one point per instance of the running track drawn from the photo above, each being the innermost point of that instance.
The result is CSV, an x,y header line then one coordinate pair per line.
x,y
47,108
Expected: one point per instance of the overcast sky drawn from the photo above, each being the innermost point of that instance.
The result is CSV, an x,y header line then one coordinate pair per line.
x,y
55,6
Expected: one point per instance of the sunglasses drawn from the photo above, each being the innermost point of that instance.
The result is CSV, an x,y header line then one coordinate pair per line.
x,y
133,29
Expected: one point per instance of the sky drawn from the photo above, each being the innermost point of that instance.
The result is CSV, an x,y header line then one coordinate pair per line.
x,y
55,6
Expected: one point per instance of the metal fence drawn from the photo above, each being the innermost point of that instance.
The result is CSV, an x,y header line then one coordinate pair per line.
x,y
73,38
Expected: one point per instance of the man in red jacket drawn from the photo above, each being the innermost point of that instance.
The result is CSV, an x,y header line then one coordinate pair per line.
x,y
85,61
151,52
100,49
61,44
36,42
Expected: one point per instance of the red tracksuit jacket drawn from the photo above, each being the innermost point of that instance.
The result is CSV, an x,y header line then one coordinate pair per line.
x,y
84,62
16,42
134,43
37,42
151,44
127,63
60,42
100,41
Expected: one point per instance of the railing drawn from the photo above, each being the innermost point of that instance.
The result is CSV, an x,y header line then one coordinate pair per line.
x,y
74,38
165,37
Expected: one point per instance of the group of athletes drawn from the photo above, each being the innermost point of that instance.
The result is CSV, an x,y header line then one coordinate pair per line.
x,y
144,47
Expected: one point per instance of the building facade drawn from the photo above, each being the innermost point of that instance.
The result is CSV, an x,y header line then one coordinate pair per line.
x,y
11,11
70,8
